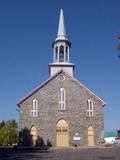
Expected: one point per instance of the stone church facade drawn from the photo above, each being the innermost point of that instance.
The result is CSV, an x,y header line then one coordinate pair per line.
x,y
62,109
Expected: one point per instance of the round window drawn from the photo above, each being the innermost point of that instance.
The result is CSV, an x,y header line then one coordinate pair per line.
x,y
61,77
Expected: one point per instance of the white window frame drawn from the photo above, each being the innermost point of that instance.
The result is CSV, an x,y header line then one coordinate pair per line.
x,y
34,110
90,107
62,99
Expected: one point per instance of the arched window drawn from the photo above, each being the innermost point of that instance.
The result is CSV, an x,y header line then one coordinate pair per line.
x,y
66,54
33,133
89,108
61,49
61,54
34,108
56,53
62,99
56,49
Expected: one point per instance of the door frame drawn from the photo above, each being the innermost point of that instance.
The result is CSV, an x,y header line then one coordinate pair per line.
x,y
92,136
56,131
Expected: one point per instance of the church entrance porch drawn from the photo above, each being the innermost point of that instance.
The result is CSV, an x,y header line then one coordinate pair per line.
x,y
62,134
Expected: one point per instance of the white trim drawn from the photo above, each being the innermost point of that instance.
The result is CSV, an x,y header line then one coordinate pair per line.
x,y
64,53
68,54
90,111
54,57
53,76
62,99
89,91
34,110
58,59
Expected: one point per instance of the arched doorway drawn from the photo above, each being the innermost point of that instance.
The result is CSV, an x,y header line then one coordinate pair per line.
x,y
33,132
91,140
62,134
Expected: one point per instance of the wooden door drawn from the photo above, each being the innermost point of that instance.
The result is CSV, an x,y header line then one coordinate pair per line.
x,y
33,134
62,134
91,141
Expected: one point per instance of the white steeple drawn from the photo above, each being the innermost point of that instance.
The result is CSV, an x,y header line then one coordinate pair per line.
x,y
61,35
61,50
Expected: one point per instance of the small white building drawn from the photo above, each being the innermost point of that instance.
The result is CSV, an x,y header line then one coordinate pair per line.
x,y
109,140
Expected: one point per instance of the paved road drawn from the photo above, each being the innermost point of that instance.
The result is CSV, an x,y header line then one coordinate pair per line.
x,y
65,154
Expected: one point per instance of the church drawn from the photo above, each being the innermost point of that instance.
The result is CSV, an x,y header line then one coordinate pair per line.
x,y
62,109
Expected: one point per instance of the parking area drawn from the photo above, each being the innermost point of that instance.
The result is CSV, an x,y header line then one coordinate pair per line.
x,y
64,154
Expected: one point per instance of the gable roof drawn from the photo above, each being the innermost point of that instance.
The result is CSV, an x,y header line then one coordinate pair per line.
x,y
90,92
38,87
55,75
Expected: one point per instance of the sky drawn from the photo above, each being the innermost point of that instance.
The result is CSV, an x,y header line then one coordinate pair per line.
x,y
27,30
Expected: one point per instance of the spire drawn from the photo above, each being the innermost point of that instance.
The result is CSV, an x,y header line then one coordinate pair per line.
x,y
61,28
61,51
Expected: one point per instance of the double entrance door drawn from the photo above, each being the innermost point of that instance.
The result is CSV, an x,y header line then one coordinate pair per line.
x,y
62,134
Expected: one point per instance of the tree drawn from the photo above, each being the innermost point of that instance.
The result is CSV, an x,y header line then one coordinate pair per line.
x,y
2,124
25,138
8,132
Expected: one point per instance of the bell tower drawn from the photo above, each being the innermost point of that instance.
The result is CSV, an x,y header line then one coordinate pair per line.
x,y
61,51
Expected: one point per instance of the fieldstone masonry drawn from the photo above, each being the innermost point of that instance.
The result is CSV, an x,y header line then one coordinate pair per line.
x,y
61,73
74,114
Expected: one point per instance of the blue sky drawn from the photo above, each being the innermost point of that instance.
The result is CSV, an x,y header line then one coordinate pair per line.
x,y
27,30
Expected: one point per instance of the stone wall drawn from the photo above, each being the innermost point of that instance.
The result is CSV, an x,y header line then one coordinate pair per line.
x,y
74,115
